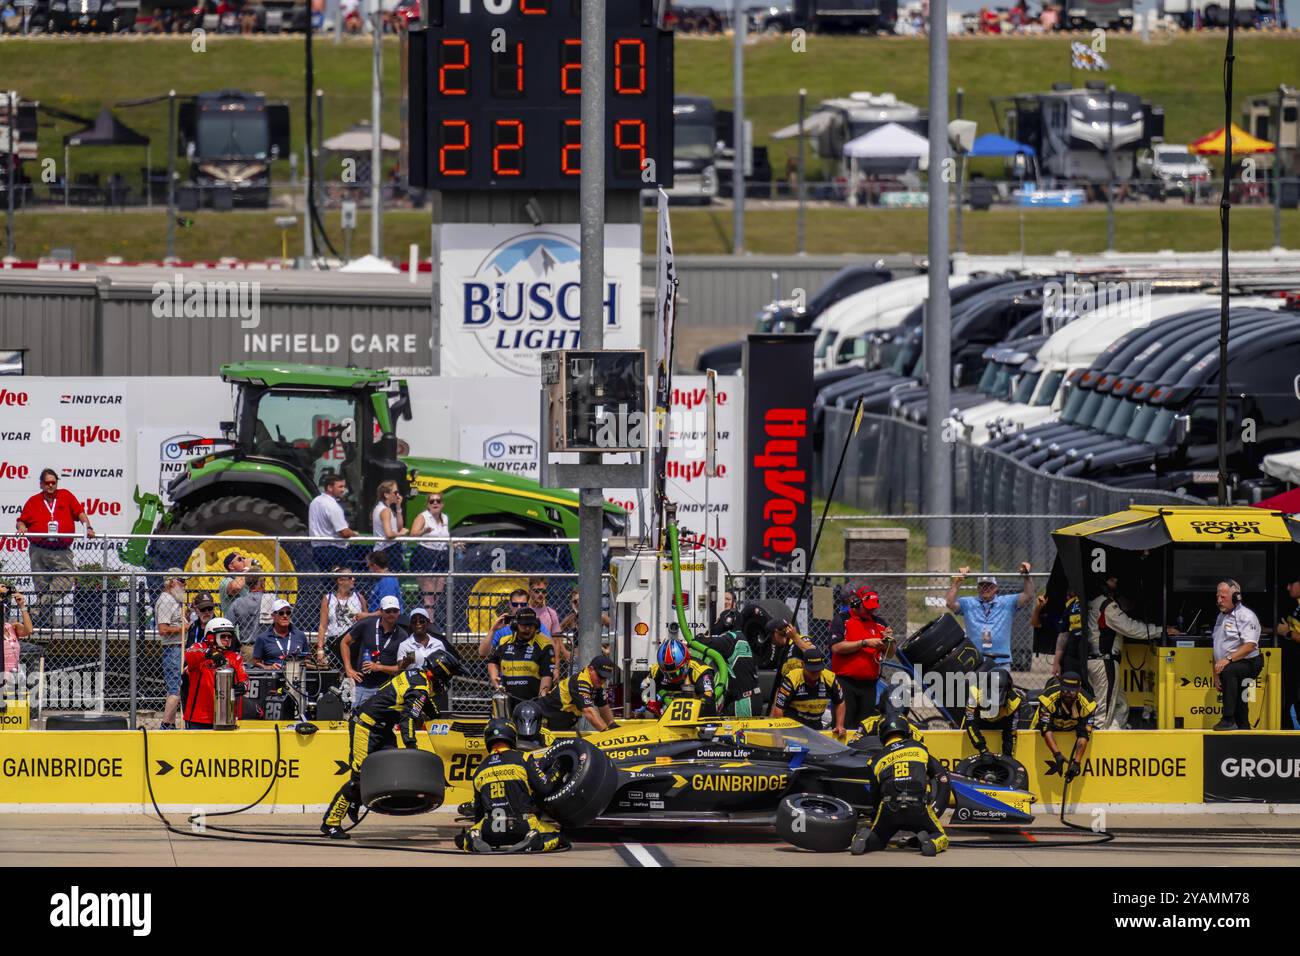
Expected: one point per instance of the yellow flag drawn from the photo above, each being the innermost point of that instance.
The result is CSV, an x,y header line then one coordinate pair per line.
x,y
857,419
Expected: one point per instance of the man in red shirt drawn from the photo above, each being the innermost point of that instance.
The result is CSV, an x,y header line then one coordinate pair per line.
x,y
55,512
856,659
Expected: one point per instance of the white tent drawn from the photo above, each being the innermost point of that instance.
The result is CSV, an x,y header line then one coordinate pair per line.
x,y
358,140
1284,466
890,141
371,264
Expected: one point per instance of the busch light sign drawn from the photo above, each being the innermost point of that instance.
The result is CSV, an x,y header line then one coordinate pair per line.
x,y
510,293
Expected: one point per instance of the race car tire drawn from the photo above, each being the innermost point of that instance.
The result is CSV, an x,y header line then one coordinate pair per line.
x,y
586,785
85,722
995,769
402,782
933,642
813,821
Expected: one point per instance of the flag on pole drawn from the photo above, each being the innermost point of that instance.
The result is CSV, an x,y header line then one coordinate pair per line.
x,y
1084,57
665,315
857,419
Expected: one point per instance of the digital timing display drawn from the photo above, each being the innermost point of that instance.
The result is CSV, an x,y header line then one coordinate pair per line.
x,y
498,85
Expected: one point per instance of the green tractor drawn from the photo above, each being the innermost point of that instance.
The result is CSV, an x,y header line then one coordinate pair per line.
x,y
293,424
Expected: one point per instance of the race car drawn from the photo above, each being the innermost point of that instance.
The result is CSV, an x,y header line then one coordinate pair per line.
x,y
685,769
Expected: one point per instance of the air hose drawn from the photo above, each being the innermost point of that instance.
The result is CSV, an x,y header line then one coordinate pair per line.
x,y
713,657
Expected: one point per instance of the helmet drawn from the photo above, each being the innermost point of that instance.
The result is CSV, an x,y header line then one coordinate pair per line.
x,y
441,668
220,625
500,731
673,657
895,726
999,684
528,720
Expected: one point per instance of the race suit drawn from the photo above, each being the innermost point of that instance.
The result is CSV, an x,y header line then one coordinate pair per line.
x,y
696,681
505,811
562,707
742,697
808,704
904,777
975,720
523,664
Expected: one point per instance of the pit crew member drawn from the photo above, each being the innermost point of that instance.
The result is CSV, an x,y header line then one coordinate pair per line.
x,y
742,695
522,663
1063,707
218,649
903,778
807,691
505,788
582,695
993,708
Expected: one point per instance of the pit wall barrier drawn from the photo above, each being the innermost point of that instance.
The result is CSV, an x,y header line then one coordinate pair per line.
x,y
1164,771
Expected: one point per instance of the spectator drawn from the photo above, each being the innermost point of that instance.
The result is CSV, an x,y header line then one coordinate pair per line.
x,y
251,613
503,628
218,649
856,658
52,511
422,642
550,620
282,641
327,523
431,529
350,11
169,615
369,651
1049,18
204,611
11,655
233,585
339,610
387,524
385,585
570,623
988,617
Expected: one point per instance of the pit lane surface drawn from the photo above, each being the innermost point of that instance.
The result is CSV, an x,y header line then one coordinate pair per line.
x,y
115,840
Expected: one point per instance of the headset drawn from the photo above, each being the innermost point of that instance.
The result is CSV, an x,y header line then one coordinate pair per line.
x,y
1235,588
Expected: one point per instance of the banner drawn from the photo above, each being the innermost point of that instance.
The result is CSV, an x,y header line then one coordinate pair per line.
x,y
1252,768
510,292
779,451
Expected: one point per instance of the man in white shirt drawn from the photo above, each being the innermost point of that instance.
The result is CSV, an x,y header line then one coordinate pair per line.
x,y
1237,660
422,641
327,522
1107,627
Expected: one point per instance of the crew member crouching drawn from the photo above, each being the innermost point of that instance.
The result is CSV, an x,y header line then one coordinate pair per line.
x,y
904,777
406,701
505,790
994,708
1063,707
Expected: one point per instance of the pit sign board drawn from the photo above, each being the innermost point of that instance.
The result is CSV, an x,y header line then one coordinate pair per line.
x,y
1189,699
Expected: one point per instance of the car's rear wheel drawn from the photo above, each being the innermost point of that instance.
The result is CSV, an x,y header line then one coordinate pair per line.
x,y
402,782
995,769
816,822
587,782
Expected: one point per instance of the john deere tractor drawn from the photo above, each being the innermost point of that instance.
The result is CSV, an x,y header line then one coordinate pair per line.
x,y
294,423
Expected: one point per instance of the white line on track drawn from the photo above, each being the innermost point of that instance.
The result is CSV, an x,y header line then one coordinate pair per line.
x,y
642,856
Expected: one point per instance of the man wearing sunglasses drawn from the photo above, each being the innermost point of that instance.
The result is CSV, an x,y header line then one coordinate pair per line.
x,y
280,642
503,628
370,651
549,617
52,511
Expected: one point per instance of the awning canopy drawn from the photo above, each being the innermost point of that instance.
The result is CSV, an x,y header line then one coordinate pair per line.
x,y
992,144
107,130
890,141
358,140
1243,144
1284,466
814,124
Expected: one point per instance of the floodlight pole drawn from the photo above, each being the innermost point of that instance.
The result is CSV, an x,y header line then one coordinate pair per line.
x,y
938,332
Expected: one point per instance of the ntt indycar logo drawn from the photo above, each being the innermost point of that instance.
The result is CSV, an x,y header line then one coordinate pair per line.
x,y
523,299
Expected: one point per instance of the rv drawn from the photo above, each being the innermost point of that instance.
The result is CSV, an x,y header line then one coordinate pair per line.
x,y
695,150
1276,117
837,121
230,139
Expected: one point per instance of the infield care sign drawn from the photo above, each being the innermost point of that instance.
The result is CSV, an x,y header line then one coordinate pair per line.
x,y
511,292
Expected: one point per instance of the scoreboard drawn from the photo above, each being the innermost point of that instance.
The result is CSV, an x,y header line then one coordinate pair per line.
x,y
494,87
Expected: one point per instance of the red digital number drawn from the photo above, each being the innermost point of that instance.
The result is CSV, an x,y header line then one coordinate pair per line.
x,y
508,72
571,68
571,151
508,148
533,8
453,151
453,72
629,67
629,147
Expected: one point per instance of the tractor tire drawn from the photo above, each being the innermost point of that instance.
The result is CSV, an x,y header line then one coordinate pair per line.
x,y
588,781
812,821
86,722
402,782
995,769
934,642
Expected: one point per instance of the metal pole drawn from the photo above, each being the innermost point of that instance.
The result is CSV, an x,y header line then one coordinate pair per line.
x,y
133,624
12,119
309,170
803,190
376,126
961,177
591,202
171,217
1277,172
1225,209
938,332
738,132
148,176
320,135
1110,168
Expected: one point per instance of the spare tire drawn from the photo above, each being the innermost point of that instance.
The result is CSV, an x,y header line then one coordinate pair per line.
x,y
754,617
934,642
402,782
995,769
86,722
586,785
813,821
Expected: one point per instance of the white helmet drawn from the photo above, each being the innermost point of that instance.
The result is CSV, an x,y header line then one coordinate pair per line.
x,y
220,625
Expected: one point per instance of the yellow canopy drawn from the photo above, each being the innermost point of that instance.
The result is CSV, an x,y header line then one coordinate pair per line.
x,y
1243,144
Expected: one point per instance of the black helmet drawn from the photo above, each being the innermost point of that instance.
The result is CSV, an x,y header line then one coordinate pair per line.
x,y
999,685
894,726
500,731
528,720
441,667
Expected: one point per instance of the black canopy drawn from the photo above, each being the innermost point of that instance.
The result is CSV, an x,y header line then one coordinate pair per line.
x,y
107,130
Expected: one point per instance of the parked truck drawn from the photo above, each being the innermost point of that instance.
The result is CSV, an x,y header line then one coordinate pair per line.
x,y
230,139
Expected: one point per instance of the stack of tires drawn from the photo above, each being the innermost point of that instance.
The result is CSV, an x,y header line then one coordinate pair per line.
x,y
941,648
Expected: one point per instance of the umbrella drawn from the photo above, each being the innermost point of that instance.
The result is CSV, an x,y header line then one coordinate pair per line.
x,y
1243,144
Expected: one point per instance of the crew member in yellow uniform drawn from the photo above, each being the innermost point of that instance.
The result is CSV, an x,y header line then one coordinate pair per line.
x,y
993,708
522,664
582,695
872,725
505,790
807,691
1063,707
408,700
675,674
903,778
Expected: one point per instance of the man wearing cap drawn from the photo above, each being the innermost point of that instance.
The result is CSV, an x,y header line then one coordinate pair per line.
x,y
807,691
856,657
281,641
370,650
251,611
169,618
988,616
523,663
582,695
204,610
53,511
788,646
422,642
1063,707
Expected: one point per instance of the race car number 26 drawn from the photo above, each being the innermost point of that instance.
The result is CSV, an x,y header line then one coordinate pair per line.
x,y
464,766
